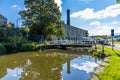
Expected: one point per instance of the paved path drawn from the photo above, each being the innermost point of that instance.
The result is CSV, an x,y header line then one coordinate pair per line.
x,y
117,46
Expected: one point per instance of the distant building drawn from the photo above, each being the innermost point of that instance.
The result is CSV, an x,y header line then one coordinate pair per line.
x,y
10,25
3,20
73,33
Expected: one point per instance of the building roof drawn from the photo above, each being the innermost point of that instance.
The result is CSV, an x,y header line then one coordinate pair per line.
x,y
75,27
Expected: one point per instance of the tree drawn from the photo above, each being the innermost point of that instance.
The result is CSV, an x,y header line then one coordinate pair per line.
x,y
43,18
118,1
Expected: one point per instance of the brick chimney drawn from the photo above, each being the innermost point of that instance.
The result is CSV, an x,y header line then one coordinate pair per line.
x,y
68,17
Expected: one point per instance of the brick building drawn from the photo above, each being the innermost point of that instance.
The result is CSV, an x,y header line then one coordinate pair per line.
x,y
73,33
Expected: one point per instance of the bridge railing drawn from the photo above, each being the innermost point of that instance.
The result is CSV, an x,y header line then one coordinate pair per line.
x,y
68,42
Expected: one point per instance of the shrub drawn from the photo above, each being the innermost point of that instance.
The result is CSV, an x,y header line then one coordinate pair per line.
x,y
2,49
10,47
46,42
29,47
97,52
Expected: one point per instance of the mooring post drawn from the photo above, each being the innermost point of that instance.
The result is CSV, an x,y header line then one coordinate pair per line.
x,y
63,47
102,50
95,45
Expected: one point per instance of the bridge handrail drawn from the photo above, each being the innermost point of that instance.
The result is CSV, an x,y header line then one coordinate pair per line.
x,y
68,42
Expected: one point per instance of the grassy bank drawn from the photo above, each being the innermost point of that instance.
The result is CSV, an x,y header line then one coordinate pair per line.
x,y
117,42
112,70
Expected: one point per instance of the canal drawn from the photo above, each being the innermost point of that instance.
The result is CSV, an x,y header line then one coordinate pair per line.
x,y
47,65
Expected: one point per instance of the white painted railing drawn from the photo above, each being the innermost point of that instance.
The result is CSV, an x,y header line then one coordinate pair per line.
x,y
61,42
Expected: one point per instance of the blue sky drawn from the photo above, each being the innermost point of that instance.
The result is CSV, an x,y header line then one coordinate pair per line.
x,y
96,16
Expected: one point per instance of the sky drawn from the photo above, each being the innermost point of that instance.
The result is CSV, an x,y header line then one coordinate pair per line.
x,y
96,16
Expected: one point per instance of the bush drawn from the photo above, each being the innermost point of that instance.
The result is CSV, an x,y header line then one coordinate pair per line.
x,y
29,47
46,42
10,47
2,49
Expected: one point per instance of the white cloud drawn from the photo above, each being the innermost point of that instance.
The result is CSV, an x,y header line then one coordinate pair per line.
x,y
101,30
104,30
89,13
16,6
86,1
59,2
86,66
115,22
96,23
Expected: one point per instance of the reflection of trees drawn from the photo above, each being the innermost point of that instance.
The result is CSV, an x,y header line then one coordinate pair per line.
x,y
11,62
45,67
36,66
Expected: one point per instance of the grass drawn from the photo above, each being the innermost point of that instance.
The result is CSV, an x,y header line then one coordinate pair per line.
x,y
112,70
117,42
109,51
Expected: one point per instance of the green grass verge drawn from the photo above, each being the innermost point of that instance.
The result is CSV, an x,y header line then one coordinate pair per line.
x,y
117,42
112,70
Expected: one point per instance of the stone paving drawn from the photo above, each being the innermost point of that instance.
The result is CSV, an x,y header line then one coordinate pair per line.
x,y
117,46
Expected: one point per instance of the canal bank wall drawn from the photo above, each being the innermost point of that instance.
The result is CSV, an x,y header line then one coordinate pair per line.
x,y
99,69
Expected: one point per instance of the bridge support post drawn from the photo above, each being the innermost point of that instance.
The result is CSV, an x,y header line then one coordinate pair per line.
x,y
63,47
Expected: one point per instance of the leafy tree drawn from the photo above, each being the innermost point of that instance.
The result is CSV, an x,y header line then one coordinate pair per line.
x,y
1,32
118,1
43,18
98,38
0,24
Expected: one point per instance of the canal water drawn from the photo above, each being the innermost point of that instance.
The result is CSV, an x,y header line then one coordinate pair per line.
x,y
47,65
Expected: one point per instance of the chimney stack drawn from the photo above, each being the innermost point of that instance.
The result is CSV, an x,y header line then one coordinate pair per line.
x,y
68,17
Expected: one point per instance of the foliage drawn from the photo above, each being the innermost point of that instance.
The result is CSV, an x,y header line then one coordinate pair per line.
x,y
29,47
97,52
2,48
109,51
14,43
1,33
46,42
112,70
43,18
27,29
0,24
10,47
118,1
13,39
99,38
116,42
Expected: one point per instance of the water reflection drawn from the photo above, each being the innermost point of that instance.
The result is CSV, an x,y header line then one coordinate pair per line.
x,y
14,74
52,65
86,63
79,67
68,64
